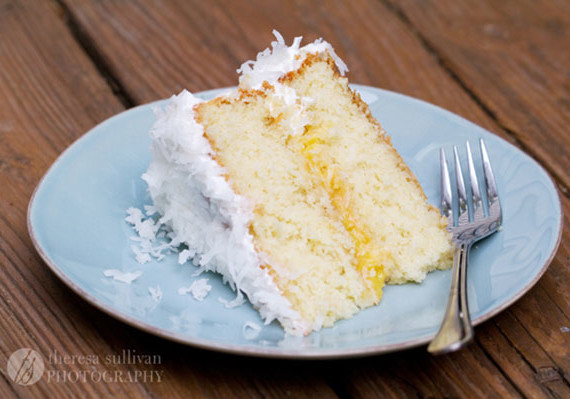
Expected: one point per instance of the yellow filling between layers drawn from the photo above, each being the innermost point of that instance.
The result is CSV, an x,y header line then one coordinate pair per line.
x,y
369,256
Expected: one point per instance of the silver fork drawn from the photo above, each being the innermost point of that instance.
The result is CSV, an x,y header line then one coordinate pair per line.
x,y
472,225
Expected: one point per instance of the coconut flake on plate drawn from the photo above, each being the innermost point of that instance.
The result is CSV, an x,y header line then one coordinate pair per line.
x,y
184,255
154,238
251,330
155,293
234,303
123,277
199,289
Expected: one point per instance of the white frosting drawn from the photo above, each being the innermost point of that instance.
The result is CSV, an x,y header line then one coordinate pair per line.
x,y
190,191
273,63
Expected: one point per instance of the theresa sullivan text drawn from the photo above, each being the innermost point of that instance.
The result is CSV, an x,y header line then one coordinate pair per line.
x,y
126,356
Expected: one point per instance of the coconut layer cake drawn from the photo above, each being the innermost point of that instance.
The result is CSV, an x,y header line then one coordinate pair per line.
x,y
290,189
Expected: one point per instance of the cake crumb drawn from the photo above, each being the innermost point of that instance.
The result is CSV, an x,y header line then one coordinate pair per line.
x,y
199,289
123,277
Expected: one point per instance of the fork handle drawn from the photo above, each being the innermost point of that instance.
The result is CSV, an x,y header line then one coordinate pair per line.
x,y
456,330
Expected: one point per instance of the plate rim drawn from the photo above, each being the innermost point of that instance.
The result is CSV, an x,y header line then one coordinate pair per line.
x,y
254,351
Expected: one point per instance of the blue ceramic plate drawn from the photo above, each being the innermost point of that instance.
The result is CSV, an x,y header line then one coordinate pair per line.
x,y
76,221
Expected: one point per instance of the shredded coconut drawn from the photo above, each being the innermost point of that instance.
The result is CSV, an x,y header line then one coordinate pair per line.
x,y
184,255
154,238
190,191
199,289
155,293
140,256
234,303
150,210
123,277
251,330
145,227
368,97
564,329
273,63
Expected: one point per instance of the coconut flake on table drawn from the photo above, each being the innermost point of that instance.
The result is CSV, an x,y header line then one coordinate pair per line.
x,y
199,289
123,277
155,293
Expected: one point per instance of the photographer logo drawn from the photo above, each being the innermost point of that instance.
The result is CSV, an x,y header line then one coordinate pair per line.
x,y
25,366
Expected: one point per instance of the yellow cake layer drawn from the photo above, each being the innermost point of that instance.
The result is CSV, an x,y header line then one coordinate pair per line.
x,y
369,182
297,227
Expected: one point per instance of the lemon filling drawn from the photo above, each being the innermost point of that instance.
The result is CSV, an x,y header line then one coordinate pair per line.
x,y
369,256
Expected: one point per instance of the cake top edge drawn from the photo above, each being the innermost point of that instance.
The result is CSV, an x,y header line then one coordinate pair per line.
x,y
278,60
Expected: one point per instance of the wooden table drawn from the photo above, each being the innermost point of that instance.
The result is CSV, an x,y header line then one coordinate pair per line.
x,y
66,65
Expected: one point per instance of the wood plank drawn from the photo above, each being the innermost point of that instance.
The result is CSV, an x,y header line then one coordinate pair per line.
x,y
50,94
534,367
439,377
513,56
160,48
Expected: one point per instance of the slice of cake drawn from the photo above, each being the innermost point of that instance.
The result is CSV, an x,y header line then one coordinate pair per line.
x,y
291,190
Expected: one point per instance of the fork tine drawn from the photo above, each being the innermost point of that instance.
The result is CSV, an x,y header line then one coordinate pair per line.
x,y
446,204
492,195
478,211
463,216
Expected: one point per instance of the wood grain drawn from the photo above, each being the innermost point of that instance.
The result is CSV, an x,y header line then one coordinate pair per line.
x,y
66,66
513,56
51,93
